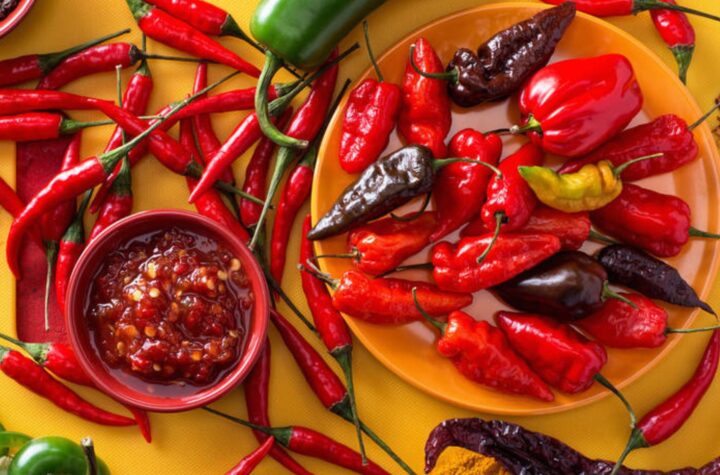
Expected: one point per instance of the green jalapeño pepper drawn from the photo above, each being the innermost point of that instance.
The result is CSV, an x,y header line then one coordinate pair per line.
x,y
56,455
302,33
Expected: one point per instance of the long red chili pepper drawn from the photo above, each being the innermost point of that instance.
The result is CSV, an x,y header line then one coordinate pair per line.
x,y
60,359
40,126
253,459
668,417
256,398
68,184
678,33
166,29
34,66
230,101
17,101
69,250
9,200
256,174
117,204
603,8
425,116
27,373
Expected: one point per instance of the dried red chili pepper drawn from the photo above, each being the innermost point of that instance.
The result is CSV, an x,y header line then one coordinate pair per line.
x,y
166,29
571,107
460,188
603,8
370,115
18,101
256,398
573,229
253,459
456,266
34,66
561,356
678,33
69,250
40,126
425,116
655,222
668,417
27,373
483,354
117,204
311,443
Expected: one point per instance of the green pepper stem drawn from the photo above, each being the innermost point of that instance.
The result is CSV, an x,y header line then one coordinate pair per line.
x,y
437,324
610,294
195,170
281,434
531,125
355,254
51,252
596,236
90,460
694,232
312,269
642,5
344,359
49,61
683,56
617,171
636,441
610,386
37,351
452,75
442,162
416,214
291,305
69,126
76,231
422,265
704,117
499,217
692,330
380,443
503,131
378,73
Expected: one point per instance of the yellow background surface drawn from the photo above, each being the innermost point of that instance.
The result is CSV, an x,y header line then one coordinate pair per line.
x,y
197,442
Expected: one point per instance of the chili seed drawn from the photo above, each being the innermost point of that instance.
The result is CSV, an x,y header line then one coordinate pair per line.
x,y
150,332
154,293
222,275
235,264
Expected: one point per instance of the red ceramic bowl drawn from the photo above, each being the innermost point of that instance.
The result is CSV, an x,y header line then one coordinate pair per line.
x,y
115,383
15,16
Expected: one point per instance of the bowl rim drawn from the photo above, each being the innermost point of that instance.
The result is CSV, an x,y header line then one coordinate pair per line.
x,y
15,17
104,380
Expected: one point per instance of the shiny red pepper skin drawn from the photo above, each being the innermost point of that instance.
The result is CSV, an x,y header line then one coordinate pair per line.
x,y
425,116
510,196
68,255
256,398
253,459
560,355
384,244
9,200
18,101
166,29
370,115
30,126
460,188
678,33
207,141
482,354
667,134
389,301
618,325
204,16
20,69
601,8
55,222
455,267
573,229
655,222
117,204
93,60
229,101
580,103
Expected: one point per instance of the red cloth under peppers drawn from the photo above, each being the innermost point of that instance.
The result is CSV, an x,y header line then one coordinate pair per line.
x,y
560,355
667,134
390,301
460,188
425,115
580,103
482,354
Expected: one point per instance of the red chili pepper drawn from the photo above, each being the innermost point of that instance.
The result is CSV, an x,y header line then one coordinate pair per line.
x,y
17,101
655,222
229,101
256,174
678,33
253,459
370,115
69,250
425,116
561,356
456,266
466,183
9,200
118,203
40,126
166,29
381,246
603,8
389,301
34,66
571,107
573,229
27,373
667,134
256,398
668,417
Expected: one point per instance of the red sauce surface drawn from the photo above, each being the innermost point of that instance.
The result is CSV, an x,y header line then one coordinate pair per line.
x,y
170,307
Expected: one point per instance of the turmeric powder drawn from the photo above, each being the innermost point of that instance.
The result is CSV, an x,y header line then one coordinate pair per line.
x,y
458,461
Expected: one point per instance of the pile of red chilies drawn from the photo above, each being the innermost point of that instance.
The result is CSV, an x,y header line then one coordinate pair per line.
x,y
54,222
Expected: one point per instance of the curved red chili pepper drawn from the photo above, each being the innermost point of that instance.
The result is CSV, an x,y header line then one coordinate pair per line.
x,y
464,182
229,101
117,204
27,373
256,398
17,101
160,26
603,8
425,116
678,33
253,459
9,200
69,250
571,107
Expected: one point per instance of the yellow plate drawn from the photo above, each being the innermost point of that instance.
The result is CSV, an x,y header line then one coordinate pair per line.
x,y
408,350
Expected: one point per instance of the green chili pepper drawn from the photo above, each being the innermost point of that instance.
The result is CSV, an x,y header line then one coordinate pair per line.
x,y
12,441
56,455
302,33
